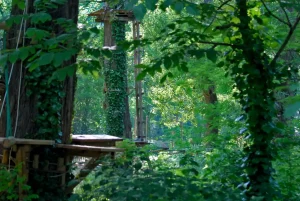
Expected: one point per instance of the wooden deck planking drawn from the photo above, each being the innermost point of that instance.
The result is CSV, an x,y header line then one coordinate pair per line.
x,y
89,148
95,138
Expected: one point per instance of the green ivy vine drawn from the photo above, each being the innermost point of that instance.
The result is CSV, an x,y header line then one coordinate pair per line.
x,y
48,101
115,73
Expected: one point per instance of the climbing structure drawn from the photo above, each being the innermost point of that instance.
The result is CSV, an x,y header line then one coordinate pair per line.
x,y
53,158
25,152
112,18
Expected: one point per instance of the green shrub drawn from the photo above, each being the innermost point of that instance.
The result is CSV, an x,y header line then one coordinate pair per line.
x,y
10,183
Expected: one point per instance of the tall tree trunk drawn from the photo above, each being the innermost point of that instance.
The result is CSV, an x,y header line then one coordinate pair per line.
x,y
115,81
27,104
210,97
27,110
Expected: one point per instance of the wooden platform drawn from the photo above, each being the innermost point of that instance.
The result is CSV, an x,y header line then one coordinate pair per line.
x,y
21,151
8,142
109,14
95,140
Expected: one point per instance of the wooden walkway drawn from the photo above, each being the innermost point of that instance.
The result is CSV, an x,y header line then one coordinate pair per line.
x,y
18,151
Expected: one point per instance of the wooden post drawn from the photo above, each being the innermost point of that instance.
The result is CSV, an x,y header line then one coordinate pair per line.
x,y
146,127
35,163
19,162
61,168
138,86
5,157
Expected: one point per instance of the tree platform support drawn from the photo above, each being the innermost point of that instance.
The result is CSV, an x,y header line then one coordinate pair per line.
x,y
18,151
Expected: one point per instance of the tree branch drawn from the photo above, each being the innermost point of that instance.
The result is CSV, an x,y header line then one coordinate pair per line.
x,y
216,43
286,41
219,7
276,17
285,13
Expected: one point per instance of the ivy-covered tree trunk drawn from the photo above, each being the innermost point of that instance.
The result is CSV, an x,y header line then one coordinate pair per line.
x,y
115,72
256,94
43,109
37,97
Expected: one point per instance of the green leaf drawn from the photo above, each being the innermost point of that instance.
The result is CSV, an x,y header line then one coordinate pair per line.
x,y
21,5
3,59
167,3
62,73
192,9
13,57
40,18
139,11
24,52
212,55
235,20
141,66
151,4
125,45
94,52
95,30
46,59
141,75
178,7
33,65
167,62
291,109
36,34
220,64
175,59
164,78
58,58
197,53
87,187
184,67
171,26
14,20
85,35
107,53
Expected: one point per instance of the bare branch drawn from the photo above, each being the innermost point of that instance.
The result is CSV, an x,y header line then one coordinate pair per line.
x,y
285,13
273,15
219,8
286,41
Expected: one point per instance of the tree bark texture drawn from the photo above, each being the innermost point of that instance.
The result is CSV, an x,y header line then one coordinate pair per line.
x,y
210,97
28,104
127,121
27,109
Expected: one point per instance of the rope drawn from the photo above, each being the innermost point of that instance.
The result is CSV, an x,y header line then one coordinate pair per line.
x,y
8,117
21,71
12,66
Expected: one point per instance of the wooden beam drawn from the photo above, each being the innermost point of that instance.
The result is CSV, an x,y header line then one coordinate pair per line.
x,y
89,148
9,142
5,157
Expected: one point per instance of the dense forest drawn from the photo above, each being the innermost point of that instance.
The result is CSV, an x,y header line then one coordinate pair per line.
x,y
202,96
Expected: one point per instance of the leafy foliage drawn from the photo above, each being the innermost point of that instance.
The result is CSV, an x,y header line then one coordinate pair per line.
x,y
10,181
